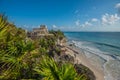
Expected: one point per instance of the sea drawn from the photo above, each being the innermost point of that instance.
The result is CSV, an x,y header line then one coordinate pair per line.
x,y
102,48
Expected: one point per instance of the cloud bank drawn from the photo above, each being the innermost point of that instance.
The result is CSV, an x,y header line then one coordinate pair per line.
x,y
105,22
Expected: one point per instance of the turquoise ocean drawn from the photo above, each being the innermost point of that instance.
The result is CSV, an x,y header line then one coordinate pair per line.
x,y
103,48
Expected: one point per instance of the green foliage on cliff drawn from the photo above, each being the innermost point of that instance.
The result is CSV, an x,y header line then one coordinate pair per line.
x,y
23,58
58,34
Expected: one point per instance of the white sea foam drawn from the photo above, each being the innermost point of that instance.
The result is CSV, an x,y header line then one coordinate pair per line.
x,y
93,50
110,64
112,70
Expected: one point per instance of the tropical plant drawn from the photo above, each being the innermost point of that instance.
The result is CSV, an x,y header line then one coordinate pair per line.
x,y
21,58
49,70
16,59
3,31
59,35
15,52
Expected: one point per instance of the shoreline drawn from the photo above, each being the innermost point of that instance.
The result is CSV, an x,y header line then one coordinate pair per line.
x,y
80,58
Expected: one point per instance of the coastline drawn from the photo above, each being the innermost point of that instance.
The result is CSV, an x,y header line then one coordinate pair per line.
x,y
80,58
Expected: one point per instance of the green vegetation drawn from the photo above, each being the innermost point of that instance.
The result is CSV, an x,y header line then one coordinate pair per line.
x,y
23,58
50,70
58,34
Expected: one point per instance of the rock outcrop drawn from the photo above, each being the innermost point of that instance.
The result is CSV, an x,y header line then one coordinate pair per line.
x,y
80,69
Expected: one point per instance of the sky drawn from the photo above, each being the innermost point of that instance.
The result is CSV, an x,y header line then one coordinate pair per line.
x,y
66,15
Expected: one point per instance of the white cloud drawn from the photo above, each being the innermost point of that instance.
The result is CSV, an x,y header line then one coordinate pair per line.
x,y
77,23
83,25
117,6
110,19
87,23
104,19
94,20
26,26
54,26
105,22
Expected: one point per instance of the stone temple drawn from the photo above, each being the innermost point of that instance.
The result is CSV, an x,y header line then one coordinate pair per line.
x,y
39,32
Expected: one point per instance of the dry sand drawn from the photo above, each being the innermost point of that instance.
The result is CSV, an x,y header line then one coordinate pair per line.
x,y
81,58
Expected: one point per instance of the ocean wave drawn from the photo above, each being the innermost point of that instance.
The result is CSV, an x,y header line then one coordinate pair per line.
x,y
113,46
104,59
112,70
95,50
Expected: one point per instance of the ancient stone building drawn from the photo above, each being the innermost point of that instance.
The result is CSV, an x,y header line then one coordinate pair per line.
x,y
39,32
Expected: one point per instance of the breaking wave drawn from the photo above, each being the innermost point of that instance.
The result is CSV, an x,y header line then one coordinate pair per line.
x,y
108,62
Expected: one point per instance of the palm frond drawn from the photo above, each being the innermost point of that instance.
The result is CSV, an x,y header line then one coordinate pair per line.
x,y
50,70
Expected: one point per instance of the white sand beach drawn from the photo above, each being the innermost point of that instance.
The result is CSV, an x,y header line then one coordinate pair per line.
x,y
81,58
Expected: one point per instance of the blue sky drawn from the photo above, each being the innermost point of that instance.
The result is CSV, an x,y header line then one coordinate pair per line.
x,y
67,15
